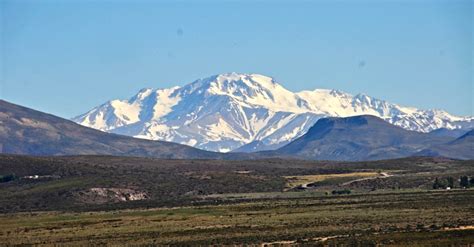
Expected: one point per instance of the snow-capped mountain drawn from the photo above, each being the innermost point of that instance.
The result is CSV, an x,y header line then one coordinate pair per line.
x,y
247,112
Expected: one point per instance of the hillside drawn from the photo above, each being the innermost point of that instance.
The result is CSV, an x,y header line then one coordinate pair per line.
x,y
26,131
358,138
461,148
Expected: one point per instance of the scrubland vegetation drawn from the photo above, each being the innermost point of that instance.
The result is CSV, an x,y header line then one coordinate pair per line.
x,y
111,200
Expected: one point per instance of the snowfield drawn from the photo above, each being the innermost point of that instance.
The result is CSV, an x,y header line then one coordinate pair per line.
x,y
246,112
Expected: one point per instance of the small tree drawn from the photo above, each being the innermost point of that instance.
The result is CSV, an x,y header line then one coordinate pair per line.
x,y
464,182
437,184
450,182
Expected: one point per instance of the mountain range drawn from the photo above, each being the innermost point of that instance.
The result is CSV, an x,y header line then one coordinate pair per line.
x,y
30,132
247,113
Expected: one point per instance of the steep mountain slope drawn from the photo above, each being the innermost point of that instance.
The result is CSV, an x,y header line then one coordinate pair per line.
x,y
461,148
247,113
357,138
26,131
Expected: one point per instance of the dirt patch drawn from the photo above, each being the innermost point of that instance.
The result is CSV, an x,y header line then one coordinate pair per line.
x,y
304,180
381,175
458,228
106,195
278,243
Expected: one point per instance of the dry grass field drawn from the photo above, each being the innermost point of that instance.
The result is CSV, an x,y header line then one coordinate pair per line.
x,y
391,218
100,200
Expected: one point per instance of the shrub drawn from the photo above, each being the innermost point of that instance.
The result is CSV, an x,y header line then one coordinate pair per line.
x,y
7,178
340,192
439,184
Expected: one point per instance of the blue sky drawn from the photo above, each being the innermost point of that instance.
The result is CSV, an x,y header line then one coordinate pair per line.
x,y
65,57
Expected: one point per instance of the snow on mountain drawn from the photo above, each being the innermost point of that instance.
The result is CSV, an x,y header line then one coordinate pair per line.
x,y
247,112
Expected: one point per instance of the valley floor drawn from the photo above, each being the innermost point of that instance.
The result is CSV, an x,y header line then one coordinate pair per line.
x,y
106,200
398,218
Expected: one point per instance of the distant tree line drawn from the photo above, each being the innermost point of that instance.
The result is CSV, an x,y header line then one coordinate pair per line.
x,y
448,182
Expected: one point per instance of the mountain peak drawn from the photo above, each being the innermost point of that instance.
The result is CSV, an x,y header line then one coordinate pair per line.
x,y
228,81
240,79
248,89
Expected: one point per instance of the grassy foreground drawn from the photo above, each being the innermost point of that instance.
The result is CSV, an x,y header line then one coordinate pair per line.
x,y
398,218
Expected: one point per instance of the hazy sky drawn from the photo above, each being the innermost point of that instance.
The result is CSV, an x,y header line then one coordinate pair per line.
x,y
65,57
